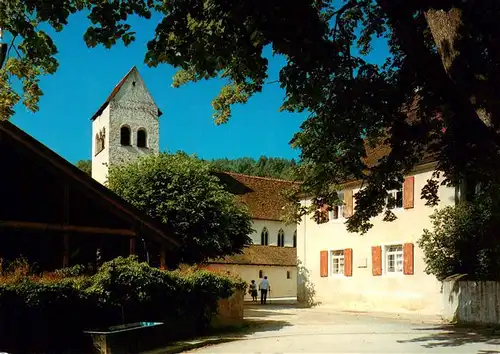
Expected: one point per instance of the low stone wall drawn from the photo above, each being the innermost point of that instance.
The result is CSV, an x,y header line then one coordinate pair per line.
x,y
471,302
230,310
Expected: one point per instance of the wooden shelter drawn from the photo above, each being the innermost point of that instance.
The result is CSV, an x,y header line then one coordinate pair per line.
x,y
56,215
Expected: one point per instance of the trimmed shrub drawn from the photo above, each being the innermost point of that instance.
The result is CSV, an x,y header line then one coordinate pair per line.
x,y
48,313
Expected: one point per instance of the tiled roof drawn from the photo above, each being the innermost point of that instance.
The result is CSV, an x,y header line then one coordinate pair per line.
x,y
262,255
373,155
262,195
114,93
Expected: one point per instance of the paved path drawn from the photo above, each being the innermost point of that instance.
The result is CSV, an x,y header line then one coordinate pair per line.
x,y
292,330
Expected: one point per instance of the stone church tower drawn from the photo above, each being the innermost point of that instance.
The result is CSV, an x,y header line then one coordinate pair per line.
x,y
125,126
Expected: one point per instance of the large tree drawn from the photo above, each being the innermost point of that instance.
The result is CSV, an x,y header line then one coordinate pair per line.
x,y
180,191
435,95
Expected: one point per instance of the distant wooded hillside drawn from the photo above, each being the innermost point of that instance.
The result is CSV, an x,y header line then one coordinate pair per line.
x,y
273,167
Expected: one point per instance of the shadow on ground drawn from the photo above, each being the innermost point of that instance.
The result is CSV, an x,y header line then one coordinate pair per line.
x,y
258,318
256,311
455,336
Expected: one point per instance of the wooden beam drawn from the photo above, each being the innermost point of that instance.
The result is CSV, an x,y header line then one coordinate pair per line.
x,y
163,258
65,228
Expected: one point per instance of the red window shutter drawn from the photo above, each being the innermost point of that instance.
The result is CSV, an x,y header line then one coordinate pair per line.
x,y
348,203
408,191
324,213
348,262
408,259
323,263
376,260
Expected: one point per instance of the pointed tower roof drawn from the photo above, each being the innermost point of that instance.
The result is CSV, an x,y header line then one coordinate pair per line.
x,y
115,92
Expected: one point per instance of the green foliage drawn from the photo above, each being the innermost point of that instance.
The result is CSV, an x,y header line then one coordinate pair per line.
x,y
73,271
441,69
273,167
464,239
85,166
50,313
180,191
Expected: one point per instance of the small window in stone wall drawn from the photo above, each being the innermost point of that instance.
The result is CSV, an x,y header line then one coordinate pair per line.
x,y
141,138
125,136
261,273
288,274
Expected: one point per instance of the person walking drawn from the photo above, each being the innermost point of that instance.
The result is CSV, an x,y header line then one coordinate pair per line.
x,y
253,290
264,288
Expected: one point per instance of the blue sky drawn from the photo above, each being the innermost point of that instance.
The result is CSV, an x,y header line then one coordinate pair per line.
x,y
86,76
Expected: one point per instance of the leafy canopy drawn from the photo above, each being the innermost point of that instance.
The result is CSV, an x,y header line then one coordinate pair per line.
x,y
441,72
180,191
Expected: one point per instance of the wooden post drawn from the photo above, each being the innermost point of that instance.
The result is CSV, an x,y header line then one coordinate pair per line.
x,y
66,220
163,258
66,251
132,246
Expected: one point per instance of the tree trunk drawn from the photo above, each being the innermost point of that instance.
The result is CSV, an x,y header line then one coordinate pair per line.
x,y
469,135
447,29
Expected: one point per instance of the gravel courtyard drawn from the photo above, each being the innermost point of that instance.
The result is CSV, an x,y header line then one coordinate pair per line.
x,y
281,329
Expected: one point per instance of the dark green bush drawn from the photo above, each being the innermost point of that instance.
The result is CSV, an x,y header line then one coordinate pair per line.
x,y
48,314
464,238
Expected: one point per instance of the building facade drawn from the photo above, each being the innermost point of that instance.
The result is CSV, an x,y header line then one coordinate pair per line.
x,y
273,253
382,270
277,263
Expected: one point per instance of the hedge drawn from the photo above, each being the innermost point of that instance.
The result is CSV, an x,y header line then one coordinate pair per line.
x,y
49,313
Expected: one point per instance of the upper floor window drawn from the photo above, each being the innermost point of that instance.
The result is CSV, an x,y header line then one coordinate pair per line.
x,y
125,135
264,237
281,238
396,198
336,212
295,238
141,138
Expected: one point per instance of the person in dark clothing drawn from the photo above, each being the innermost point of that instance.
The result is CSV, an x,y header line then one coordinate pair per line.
x,y
253,291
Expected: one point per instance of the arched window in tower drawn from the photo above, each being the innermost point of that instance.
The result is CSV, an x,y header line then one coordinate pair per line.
x,y
281,238
142,138
125,135
264,237
100,138
295,238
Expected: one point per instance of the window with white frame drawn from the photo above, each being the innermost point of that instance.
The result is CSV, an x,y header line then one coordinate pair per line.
x,y
397,196
394,259
336,212
337,262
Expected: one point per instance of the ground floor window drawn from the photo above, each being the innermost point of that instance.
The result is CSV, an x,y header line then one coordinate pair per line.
x,y
337,262
394,259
